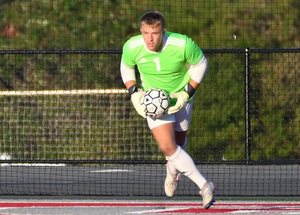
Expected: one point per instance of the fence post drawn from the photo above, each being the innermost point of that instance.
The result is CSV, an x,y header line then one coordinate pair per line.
x,y
247,109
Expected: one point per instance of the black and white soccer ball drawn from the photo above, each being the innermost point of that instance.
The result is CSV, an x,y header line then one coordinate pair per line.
x,y
156,102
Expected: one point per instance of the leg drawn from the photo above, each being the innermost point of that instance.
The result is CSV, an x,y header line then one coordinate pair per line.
x,y
181,140
173,175
165,137
168,141
184,163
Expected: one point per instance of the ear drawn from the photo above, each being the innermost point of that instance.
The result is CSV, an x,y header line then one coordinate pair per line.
x,y
164,32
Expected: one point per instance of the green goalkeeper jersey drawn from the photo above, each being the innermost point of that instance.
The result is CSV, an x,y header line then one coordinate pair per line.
x,y
167,69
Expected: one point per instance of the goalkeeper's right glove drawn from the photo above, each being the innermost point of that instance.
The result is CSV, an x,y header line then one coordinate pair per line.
x,y
136,97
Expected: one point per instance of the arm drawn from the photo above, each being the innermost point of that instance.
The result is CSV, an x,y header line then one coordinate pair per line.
x,y
197,73
128,77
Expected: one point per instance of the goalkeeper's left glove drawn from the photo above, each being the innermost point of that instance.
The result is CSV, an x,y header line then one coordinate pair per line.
x,y
182,98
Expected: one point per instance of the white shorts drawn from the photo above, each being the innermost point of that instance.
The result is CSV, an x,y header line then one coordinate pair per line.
x,y
181,119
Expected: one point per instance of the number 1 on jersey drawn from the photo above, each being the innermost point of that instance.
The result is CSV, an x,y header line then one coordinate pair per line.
x,y
156,61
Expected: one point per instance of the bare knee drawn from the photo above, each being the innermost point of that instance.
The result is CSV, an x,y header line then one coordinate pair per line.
x,y
168,149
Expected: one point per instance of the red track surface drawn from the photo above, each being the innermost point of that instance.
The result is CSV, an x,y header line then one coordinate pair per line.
x,y
182,207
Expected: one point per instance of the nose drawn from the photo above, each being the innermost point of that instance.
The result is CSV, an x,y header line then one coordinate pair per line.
x,y
151,37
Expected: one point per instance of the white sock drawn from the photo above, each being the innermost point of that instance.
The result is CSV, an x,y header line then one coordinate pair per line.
x,y
171,167
184,164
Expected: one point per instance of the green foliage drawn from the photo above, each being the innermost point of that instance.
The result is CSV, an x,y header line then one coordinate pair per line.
x,y
275,130
218,117
76,24
58,71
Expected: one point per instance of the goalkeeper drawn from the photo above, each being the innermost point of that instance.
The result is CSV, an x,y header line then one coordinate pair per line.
x,y
174,63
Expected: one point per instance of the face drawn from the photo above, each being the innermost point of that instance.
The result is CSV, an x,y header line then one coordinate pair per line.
x,y
153,36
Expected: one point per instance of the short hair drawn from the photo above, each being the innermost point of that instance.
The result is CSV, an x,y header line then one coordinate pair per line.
x,y
154,18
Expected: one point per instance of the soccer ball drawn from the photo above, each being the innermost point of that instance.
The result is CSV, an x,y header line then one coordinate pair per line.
x,y
156,102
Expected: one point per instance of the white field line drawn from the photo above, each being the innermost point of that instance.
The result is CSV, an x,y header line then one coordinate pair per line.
x,y
158,210
112,170
31,164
